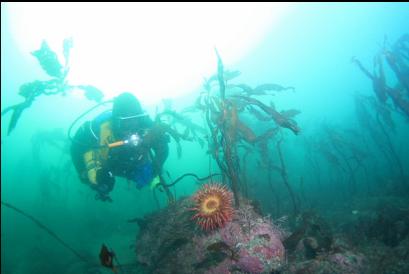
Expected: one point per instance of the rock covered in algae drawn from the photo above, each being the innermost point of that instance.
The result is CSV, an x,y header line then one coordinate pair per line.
x,y
171,242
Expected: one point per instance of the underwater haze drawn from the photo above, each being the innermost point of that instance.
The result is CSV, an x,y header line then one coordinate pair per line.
x,y
299,110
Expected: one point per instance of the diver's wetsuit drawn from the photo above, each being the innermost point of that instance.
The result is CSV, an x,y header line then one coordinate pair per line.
x,y
90,152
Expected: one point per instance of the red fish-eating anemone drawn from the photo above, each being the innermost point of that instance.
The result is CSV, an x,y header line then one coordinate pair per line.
x,y
213,206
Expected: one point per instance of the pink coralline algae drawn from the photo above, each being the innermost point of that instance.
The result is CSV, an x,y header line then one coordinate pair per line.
x,y
232,234
265,251
250,264
254,243
222,268
170,242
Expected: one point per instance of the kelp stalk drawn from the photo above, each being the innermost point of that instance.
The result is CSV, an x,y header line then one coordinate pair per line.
x,y
46,229
228,144
283,174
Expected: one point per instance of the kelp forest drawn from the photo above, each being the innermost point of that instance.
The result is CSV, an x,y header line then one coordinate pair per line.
x,y
249,183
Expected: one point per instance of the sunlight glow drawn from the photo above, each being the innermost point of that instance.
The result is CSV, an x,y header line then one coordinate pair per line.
x,y
155,50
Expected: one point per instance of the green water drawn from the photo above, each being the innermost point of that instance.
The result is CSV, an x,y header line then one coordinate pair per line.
x,y
310,49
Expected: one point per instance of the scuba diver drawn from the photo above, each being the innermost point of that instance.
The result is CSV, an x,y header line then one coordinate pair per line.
x,y
122,142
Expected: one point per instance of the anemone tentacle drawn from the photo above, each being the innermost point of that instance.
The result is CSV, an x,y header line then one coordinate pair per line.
x,y
213,206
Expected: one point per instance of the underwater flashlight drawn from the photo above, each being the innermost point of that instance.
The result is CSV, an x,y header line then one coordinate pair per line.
x,y
133,140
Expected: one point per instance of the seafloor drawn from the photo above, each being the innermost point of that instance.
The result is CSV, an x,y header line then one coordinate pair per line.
x,y
372,239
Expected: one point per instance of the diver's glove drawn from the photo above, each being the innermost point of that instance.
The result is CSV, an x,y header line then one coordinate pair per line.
x,y
103,197
102,193
105,179
105,184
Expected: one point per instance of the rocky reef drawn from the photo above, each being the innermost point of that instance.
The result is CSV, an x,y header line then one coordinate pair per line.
x,y
171,242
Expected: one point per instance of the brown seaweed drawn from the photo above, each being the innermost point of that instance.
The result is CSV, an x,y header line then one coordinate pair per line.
x,y
281,120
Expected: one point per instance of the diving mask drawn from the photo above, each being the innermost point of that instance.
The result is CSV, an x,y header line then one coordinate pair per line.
x,y
127,124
